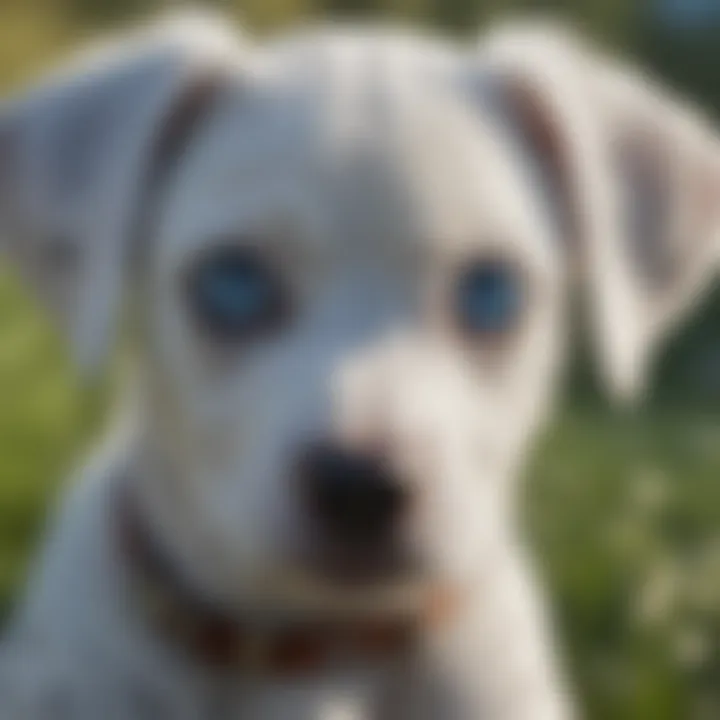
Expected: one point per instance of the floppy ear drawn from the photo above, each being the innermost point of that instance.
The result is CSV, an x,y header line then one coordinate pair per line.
x,y
636,176
77,158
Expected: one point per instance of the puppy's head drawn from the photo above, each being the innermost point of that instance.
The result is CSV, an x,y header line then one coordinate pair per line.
x,y
349,271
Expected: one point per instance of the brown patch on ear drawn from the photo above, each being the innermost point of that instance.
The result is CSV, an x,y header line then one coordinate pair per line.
x,y
177,133
543,132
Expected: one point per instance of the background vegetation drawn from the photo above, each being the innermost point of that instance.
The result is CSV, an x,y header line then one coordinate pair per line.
x,y
624,509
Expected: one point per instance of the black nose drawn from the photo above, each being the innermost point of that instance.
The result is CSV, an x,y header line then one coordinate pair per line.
x,y
354,498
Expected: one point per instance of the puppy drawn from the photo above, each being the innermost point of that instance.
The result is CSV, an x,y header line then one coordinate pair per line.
x,y
347,260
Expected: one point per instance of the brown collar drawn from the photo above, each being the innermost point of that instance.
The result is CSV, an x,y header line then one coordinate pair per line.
x,y
221,641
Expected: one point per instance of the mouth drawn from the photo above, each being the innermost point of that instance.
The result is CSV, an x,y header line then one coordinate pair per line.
x,y
413,598
340,581
314,595
358,567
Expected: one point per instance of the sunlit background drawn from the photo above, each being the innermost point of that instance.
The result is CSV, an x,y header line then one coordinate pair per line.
x,y
624,508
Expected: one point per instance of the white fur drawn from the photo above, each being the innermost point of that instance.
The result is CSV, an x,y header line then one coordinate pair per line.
x,y
369,165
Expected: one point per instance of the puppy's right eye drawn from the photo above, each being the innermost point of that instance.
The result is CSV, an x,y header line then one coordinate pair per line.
x,y
489,298
235,295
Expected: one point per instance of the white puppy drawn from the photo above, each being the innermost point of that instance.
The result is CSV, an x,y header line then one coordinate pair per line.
x,y
349,258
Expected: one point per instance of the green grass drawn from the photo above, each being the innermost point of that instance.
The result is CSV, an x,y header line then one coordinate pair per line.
x,y
45,419
625,514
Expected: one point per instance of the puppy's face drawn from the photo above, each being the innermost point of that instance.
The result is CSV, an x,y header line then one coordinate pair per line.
x,y
351,268
352,323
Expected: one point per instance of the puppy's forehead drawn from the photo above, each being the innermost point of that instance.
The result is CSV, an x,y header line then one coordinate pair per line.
x,y
364,140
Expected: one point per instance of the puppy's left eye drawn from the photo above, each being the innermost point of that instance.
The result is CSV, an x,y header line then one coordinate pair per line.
x,y
235,295
489,297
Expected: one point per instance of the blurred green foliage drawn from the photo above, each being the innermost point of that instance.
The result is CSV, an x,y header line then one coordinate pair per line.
x,y
624,513
624,510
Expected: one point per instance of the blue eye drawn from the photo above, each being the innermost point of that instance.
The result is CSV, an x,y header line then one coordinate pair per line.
x,y
489,298
235,295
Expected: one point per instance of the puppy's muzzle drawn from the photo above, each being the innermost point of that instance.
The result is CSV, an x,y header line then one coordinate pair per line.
x,y
356,506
